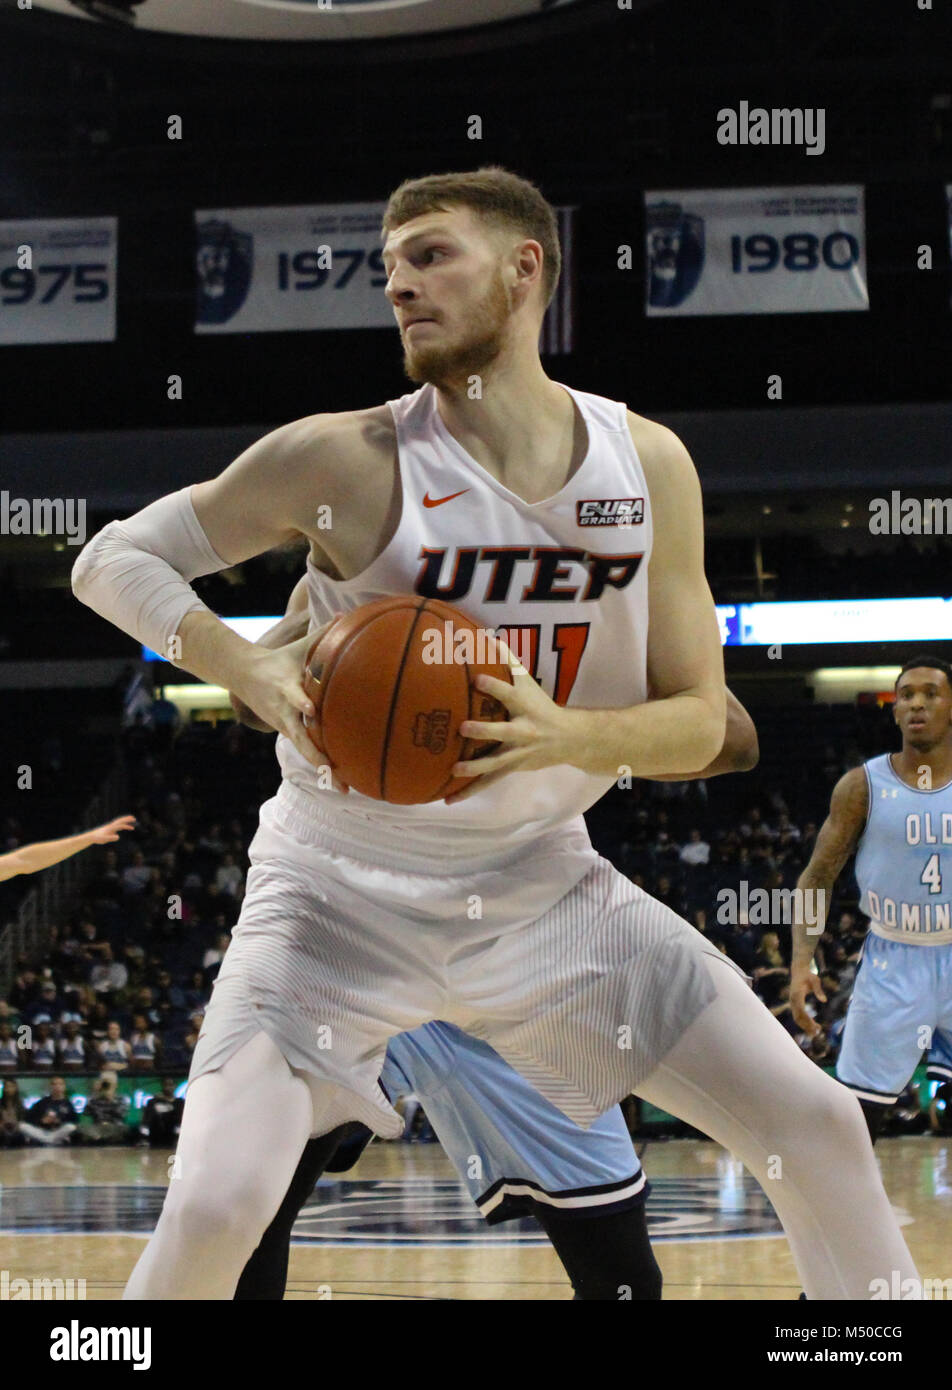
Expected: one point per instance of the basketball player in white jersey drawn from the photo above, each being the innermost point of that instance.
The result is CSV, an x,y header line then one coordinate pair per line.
x,y
30,859
585,1187
529,505
895,812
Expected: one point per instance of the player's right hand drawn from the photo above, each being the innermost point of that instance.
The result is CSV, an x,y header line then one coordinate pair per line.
x,y
804,982
271,686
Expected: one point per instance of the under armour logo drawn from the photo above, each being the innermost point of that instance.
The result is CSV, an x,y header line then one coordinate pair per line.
x,y
888,791
879,964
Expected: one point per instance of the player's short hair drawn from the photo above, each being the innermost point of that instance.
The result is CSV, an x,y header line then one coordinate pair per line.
x,y
934,663
494,193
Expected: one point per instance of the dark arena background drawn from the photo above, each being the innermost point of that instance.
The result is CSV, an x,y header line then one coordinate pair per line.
x,y
775,290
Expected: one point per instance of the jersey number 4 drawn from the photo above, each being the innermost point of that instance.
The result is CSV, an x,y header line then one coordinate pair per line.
x,y
568,643
931,875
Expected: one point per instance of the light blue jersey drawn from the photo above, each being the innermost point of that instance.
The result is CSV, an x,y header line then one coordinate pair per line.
x,y
902,1001
511,1146
904,859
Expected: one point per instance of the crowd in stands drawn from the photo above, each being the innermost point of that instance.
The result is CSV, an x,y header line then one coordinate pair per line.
x,y
126,981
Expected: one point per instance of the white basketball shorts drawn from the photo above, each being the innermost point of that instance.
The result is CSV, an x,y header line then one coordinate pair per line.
x,y
578,978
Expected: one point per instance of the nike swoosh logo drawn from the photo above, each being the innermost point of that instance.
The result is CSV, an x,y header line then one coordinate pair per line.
x,y
429,501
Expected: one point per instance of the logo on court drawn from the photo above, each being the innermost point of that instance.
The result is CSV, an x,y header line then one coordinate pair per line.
x,y
439,1212
421,1212
223,264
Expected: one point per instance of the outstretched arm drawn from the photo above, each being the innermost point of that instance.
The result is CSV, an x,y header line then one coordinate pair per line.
x,y
835,843
29,859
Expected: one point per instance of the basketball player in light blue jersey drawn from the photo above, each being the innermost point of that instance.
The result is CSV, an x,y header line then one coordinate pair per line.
x,y
896,813
517,1154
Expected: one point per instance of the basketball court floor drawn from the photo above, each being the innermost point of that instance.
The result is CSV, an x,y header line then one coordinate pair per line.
x,y
400,1226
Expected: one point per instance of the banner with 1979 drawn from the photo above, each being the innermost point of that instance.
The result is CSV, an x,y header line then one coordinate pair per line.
x,y
278,269
755,251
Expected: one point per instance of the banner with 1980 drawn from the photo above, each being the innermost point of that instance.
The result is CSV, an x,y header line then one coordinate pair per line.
x,y
755,251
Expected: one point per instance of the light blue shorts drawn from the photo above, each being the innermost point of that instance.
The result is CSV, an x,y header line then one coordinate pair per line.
x,y
510,1146
901,1009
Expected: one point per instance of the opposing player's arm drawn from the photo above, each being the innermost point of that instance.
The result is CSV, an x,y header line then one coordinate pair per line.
x,y
740,753
835,843
29,859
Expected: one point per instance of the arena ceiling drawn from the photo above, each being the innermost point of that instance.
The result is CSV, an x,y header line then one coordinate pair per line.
x,y
305,19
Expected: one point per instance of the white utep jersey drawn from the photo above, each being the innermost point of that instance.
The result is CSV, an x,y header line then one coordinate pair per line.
x,y
572,570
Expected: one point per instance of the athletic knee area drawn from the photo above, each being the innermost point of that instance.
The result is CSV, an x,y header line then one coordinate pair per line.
x,y
232,1214
843,1112
827,1129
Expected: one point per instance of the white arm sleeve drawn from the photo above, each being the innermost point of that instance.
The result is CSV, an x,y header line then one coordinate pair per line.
x,y
136,573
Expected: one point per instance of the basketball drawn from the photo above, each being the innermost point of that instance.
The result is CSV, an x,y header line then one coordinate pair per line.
x,y
391,683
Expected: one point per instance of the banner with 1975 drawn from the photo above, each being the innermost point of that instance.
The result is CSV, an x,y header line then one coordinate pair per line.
x,y
58,280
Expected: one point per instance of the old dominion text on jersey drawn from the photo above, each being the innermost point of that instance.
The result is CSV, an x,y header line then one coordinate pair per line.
x,y
904,859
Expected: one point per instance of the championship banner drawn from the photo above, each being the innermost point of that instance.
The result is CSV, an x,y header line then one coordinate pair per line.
x,y
58,280
277,270
756,251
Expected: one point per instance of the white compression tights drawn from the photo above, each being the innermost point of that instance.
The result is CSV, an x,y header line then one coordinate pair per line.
x,y
243,1132
738,1076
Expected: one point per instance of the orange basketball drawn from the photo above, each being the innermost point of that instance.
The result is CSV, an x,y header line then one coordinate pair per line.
x,y
391,683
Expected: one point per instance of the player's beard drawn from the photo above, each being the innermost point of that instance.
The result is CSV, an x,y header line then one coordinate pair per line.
x,y
443,365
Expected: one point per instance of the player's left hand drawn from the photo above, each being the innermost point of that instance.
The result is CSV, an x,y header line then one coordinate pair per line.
x,y
537,733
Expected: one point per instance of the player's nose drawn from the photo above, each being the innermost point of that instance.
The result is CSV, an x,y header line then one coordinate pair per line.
x,y
400,287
